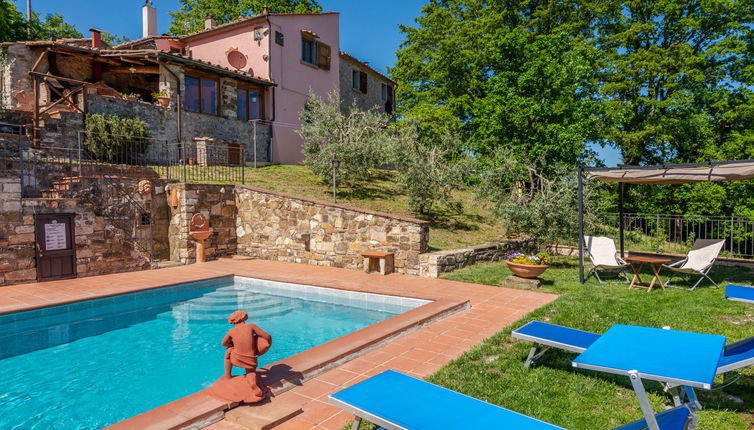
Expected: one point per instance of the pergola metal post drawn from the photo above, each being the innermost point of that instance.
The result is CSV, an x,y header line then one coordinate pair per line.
x,y
581,223
620,214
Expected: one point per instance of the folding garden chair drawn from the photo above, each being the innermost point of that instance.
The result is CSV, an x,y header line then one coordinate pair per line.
x,y
604,257
699,260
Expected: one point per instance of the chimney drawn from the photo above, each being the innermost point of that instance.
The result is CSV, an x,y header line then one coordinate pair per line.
x,y
209,21
97,42
265,10
148,20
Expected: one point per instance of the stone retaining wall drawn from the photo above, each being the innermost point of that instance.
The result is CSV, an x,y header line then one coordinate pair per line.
x,y
218,204
435,263
100,248
281,227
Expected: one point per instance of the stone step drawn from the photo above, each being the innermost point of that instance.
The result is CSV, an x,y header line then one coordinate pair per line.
x,y
264,416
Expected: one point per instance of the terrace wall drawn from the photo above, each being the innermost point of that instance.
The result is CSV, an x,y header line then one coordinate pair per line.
x,y
100,247
161,125
281,227
435,263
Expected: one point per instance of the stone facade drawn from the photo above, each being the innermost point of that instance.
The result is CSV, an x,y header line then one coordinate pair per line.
x,y
363,100
435,263
218,204
100,248
60,127
162,125
280,227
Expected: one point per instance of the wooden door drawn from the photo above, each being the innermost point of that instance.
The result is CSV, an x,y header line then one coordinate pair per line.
x,y
234,154
55,250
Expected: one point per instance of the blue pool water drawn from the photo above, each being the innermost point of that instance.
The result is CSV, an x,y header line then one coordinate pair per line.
x,y
93,363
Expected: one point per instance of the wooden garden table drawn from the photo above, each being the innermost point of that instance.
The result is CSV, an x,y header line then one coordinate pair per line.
x,y
654,263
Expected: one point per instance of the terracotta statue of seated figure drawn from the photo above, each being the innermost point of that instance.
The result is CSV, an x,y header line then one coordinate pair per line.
x,y
245,343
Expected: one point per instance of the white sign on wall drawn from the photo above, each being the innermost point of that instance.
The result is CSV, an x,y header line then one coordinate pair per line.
x,y
55,236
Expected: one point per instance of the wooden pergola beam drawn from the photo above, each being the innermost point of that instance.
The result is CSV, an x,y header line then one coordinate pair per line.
x,y
150,70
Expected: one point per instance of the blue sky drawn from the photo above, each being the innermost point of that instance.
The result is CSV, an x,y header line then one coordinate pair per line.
x,y
368,29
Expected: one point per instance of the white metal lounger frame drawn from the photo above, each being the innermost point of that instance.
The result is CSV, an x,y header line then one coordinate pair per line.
x,y
546,343
619,265
703,272
362,414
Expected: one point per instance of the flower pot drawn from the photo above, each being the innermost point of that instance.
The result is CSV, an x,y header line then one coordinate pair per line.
x,y
527,270
163,101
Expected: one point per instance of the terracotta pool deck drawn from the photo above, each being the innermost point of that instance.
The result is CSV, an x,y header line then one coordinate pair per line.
x,y
461,316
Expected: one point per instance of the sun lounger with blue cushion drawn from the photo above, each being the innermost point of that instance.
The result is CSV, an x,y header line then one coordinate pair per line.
x,y
400,402
551,335
735,355
739,293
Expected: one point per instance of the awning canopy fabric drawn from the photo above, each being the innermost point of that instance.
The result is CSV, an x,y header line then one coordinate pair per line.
x,y
676,175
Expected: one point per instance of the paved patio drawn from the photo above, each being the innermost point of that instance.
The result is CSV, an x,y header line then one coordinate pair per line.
x,y
430,345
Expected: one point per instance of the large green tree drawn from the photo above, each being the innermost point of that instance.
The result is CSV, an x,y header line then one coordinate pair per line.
x,y
677,78
190,16
504,74
662,81
13,25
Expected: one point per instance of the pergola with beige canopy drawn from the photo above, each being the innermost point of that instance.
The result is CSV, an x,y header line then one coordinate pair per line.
x,y
713,171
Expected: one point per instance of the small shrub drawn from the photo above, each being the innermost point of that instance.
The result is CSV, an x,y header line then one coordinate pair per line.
x,y
114,139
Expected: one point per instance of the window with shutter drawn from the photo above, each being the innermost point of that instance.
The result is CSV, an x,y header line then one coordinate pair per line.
x,y
363,82
323,56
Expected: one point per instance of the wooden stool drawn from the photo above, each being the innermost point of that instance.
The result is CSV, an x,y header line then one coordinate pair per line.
x,y
384,262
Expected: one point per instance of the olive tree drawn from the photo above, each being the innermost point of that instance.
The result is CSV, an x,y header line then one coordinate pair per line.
x,y
348,143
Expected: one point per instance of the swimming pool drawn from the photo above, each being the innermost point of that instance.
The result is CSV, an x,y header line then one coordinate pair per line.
x,y
93,363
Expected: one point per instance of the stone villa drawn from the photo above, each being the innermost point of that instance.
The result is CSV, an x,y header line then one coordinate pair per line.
x,y
240,83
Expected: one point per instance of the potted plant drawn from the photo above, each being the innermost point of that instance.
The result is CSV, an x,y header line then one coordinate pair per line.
x,y
162,98
129,96
528,266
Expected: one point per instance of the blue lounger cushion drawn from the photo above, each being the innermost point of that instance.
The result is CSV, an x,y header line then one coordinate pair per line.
x,y
556,336
397,401
673,419
400,402
739,293
737,355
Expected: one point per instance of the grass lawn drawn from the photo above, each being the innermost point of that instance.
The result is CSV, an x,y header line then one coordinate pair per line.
x,y
555,392
447,231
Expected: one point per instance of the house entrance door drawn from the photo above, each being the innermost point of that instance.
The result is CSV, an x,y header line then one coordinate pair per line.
x,y
55,247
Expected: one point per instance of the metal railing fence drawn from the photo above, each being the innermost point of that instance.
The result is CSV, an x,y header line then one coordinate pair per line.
x,y
114,155
676,233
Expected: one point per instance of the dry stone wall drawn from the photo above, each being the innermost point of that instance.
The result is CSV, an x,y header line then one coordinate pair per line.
x,y
435,263
281,227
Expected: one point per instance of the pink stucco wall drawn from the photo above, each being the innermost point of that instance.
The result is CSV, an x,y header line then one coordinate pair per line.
x,y
214,46
295,79
284,67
